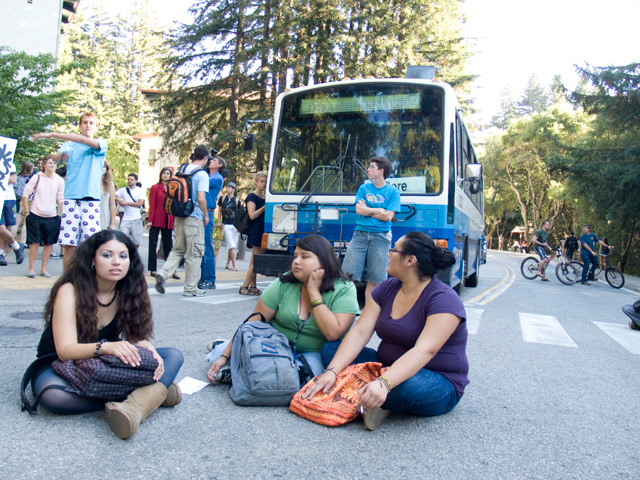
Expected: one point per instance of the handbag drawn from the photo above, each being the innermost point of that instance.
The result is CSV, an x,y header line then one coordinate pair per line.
x,y
106,376
340,405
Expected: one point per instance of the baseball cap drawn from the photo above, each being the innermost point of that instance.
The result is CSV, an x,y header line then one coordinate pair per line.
x,y
232,184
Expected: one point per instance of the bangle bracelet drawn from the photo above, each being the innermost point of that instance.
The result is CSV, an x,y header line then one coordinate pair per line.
x,y
385,382
317,302
225,357
98,346
331,370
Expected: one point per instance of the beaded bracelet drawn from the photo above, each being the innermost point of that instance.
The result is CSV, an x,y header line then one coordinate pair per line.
x,y
331,370
317,302
98,346
385,382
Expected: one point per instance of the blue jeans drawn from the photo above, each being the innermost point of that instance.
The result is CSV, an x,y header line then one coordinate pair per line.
x,y
367,256
426,394
587,259
208,266
68,403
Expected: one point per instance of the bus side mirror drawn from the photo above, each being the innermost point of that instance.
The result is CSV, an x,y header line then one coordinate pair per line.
x,y
473,174
248,142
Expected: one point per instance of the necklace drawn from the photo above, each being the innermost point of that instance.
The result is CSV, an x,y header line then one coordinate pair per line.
x,y
105,305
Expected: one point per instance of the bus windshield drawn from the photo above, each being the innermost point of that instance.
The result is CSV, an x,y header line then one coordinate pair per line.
x,y
326,137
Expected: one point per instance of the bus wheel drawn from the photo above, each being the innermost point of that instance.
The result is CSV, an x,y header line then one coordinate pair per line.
x,y
472,281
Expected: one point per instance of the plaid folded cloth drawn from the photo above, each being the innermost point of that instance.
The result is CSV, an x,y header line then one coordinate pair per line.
x,y
106,376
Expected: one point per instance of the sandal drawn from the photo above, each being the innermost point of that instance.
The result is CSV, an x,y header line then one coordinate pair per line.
x,y
255,291
545,279
248,291
31,274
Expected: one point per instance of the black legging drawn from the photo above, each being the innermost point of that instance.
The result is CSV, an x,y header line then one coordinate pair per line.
x,y
167,245
68,403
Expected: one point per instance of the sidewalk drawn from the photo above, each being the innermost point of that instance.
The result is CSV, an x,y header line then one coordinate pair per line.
x,y
14,277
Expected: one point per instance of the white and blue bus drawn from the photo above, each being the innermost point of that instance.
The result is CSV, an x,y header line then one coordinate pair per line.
x,y
323,137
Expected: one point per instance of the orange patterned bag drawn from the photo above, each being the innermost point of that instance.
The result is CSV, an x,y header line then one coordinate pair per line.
x,y
340,405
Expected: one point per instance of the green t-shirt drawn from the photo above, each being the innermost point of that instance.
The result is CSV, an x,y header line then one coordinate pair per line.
x,y
542,236
284,299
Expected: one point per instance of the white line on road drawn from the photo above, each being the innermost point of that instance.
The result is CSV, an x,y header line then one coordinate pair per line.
x,y
473,319
544,329
629,339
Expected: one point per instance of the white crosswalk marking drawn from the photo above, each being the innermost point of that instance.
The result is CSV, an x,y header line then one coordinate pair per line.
x,y
473,319
629,339
544,329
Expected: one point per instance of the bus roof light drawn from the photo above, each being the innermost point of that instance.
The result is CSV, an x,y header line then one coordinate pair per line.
x,y
421,72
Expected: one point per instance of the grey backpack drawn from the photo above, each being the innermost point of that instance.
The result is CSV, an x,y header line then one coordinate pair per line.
x,y
263,368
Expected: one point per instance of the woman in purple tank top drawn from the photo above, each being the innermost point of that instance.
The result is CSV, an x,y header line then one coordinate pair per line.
x,y
421,322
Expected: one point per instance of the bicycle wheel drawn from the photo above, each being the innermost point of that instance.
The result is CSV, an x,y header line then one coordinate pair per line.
x,y
566,274
529,268
614,277
577,266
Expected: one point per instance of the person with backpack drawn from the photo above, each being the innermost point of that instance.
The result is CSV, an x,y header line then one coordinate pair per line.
x,y
229,205
186,200
131,198
313,303
570,245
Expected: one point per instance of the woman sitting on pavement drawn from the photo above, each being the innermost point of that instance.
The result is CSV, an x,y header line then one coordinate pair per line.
x,y
313,303
421,322
99,300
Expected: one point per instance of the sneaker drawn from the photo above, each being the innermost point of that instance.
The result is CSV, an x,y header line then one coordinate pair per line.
x,y
224,376
3,262
20,254
53,255
197,293
206,285
374,418
212,345
159,283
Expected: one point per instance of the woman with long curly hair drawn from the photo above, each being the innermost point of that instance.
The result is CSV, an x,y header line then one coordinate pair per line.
x,y
107,199
99,306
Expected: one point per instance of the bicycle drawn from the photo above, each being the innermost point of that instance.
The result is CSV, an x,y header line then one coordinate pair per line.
x,y
614,276
565,272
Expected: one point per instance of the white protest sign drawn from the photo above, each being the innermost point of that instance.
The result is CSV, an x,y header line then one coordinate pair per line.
x,y
7,148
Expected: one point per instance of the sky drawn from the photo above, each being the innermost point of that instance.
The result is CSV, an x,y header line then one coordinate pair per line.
x,y
516,38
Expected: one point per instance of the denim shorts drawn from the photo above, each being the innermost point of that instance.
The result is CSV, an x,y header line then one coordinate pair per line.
x,y
367,256
542,253
7,216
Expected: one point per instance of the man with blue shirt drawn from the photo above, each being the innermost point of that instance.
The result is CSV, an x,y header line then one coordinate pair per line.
x,y
189,230
377,202
81,206
208,267
588,254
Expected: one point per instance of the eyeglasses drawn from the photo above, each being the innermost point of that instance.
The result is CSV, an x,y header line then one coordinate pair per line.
x,y
393,250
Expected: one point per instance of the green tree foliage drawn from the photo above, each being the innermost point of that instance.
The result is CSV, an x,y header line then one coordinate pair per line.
x,y
113,58
508,111
534,98
521,160
28,103
231,62
605,167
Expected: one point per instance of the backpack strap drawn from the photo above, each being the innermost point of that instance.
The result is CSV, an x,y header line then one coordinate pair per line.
x,y
35,366
262,319
306,373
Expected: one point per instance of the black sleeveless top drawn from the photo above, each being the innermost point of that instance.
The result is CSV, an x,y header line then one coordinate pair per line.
x,y
47,345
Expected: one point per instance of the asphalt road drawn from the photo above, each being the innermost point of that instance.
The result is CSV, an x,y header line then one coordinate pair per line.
x,y
541,404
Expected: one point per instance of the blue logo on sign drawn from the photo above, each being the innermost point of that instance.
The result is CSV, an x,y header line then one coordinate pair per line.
x,y
268,348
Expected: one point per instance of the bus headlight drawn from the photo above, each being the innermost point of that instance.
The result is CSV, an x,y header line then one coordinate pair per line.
x,y
273,241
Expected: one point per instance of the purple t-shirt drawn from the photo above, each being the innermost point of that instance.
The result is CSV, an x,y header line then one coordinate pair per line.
x,y
400,335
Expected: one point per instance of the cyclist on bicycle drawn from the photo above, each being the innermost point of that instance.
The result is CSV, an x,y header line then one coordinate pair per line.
x,y
588,241
540,243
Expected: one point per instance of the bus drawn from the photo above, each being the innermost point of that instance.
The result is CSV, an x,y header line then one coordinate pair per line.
x,y
322,138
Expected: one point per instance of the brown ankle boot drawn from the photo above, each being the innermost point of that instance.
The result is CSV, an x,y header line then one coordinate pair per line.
x,y
174,396
125,417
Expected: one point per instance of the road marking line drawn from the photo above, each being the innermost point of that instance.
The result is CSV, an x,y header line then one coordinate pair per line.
x,y
629,339
544,329
218,299
494,292
473,319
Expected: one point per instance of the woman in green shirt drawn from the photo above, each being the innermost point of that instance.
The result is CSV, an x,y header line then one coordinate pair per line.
x,y
313,303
